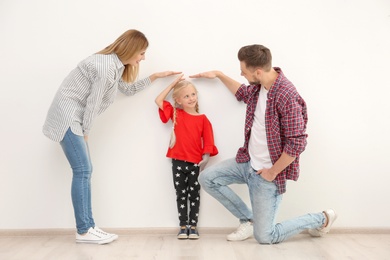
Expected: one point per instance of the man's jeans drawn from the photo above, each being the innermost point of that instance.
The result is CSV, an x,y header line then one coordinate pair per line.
x,y
77,153
264,198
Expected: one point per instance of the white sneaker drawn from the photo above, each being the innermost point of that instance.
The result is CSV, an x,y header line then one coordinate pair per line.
x,y
244,231
319,232
94,237
115,236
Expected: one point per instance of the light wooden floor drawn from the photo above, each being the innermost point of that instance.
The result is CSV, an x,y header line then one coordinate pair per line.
x,y
165,246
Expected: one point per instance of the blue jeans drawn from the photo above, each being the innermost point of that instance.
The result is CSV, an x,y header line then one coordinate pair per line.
x,y
264,199
77,153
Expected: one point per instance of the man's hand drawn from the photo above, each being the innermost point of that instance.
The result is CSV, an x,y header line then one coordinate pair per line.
x,y
267,174
208,75
230,83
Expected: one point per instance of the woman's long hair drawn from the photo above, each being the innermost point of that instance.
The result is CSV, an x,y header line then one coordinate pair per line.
x,y
130,43
176,90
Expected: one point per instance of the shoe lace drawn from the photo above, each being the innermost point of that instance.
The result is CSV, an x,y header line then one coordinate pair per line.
x,y
242,228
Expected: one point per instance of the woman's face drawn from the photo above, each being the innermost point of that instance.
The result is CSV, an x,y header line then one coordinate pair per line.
x,y
136,59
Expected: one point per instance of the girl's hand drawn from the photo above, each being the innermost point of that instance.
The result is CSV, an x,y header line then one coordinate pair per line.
x,y
177,80
163,74
205,160
160,98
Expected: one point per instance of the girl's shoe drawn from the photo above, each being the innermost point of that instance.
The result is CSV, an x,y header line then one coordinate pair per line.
x,y
193,233
183,233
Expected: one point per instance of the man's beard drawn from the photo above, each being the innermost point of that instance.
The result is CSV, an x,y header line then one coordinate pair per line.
x,y
254,82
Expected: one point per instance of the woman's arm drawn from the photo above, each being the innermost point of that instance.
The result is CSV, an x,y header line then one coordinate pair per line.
x,y
130,89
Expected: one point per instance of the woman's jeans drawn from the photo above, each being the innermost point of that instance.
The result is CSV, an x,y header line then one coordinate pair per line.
x,y
264,198
77,153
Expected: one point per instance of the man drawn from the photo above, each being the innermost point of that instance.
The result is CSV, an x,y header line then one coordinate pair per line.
x,y
275,136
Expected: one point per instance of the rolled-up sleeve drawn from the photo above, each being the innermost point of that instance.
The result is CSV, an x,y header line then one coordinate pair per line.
x,y
293,123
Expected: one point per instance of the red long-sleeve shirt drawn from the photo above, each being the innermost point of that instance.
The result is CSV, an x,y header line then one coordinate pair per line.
x,y
194,135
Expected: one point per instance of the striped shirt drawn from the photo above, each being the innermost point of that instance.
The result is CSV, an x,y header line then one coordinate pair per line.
x,y
86,92
285,123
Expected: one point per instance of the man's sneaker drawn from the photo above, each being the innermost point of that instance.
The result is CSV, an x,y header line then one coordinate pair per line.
x,y
114,236
319,232
94,237
183,233
193,233
244,231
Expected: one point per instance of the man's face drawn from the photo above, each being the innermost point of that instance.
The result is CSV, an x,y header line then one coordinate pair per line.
x,y
250,74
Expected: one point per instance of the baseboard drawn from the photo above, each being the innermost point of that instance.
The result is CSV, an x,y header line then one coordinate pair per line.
x,y
168,231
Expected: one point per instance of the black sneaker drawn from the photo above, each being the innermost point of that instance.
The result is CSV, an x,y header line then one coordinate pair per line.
x,y
183,233
193,233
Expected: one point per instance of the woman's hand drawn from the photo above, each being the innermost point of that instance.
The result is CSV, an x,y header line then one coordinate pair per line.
x,y
163,74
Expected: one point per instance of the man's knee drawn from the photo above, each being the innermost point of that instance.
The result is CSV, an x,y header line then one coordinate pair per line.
x,y
264,238
203,178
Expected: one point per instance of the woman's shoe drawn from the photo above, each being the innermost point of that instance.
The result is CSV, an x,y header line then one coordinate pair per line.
x,y
94,237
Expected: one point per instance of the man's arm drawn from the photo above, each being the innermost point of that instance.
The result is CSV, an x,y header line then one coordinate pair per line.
x,y
230,83
281,164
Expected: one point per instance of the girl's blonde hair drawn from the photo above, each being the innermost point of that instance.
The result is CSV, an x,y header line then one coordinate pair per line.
x,y
176,90
129,44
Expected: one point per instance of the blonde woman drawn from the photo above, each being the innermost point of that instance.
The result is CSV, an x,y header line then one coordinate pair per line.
x,y
191,145
85,93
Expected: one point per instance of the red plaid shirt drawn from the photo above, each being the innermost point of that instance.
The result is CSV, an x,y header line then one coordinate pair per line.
x,y
285,123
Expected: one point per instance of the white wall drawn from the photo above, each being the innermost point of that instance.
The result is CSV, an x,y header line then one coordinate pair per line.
x,y
335,52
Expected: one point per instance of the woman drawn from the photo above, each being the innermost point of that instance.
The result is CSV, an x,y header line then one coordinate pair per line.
x,y
84,94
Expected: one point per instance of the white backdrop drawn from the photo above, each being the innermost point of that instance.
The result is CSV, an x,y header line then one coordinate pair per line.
x,y
335,52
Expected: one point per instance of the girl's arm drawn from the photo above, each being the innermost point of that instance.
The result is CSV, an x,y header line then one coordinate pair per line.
x,y
160,98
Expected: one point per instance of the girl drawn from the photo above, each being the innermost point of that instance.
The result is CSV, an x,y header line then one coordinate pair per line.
x,y
84,94
191,145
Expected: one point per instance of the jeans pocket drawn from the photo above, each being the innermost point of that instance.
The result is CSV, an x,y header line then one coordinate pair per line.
x,y
262,178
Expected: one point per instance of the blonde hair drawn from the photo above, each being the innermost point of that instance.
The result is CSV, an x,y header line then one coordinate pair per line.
x,y
176,90
126,47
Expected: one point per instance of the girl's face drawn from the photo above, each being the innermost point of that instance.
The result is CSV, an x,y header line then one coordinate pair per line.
x,y
188,99
136,59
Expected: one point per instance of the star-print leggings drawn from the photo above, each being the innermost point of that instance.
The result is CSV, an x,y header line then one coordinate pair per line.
x,y
185,180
